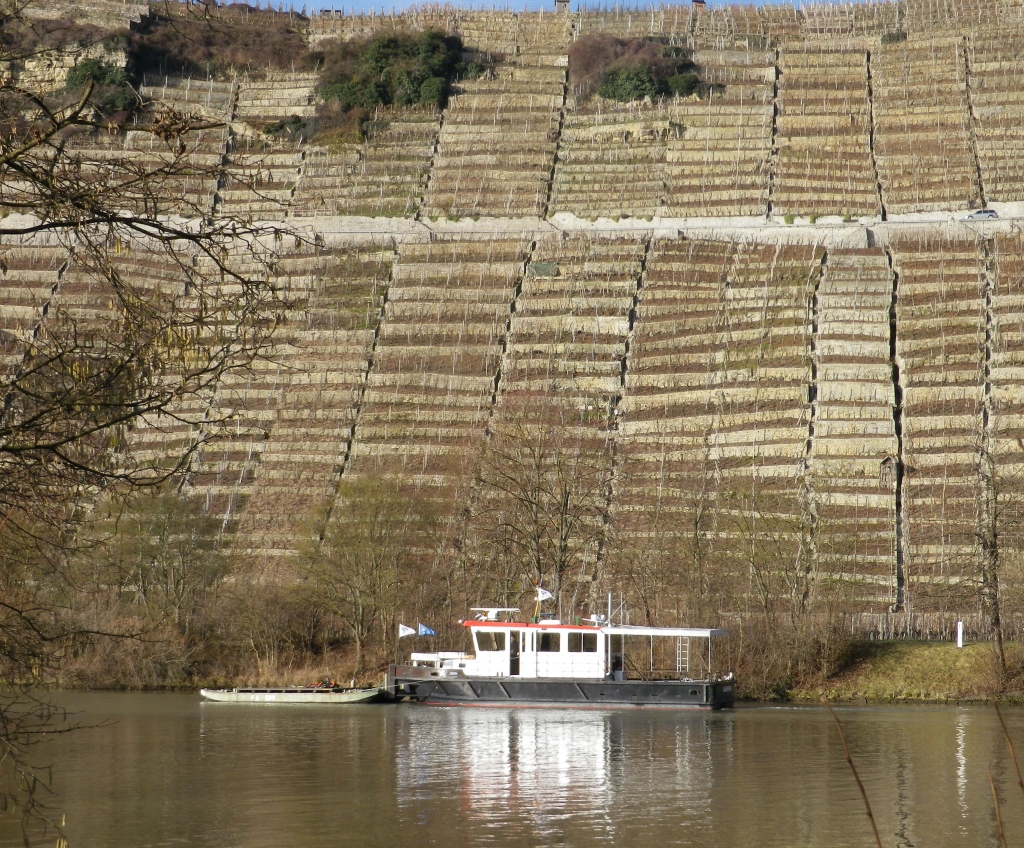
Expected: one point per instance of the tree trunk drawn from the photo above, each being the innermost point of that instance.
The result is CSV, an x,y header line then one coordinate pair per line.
x,y
359,655
990,589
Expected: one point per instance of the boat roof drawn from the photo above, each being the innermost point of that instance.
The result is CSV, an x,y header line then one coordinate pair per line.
x,y
546,625
689,632
609,629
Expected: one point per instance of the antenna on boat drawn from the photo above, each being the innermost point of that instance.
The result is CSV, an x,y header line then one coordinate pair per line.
x,y
619,610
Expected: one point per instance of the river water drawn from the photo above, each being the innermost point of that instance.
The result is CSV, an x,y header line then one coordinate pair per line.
x,y
167,770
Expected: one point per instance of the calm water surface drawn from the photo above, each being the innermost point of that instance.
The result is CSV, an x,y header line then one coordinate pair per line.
x,y
167,770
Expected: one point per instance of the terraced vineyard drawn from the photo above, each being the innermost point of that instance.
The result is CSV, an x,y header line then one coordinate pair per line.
x,y
758,308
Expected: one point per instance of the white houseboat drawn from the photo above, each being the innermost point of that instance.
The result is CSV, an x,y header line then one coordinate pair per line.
x,y
546,662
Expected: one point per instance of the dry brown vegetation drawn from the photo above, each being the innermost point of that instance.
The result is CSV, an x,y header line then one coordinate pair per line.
x,y
200,41
29,36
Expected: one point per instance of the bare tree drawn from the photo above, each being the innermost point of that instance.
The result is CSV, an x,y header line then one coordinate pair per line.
x,y
667,555
149,305
162,558
668,545
781,544
367,560
771,545
999,519
543,505
148,310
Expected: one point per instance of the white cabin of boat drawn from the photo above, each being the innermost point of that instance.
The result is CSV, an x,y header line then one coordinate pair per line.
x,y
551,649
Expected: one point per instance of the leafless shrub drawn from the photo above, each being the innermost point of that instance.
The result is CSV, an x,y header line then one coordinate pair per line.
x,y
189,40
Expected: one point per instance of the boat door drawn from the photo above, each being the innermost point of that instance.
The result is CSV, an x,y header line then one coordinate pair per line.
x,y
513,653
616,657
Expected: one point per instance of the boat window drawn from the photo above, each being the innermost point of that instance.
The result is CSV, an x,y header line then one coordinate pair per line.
x,y
489,640
550,642
583,643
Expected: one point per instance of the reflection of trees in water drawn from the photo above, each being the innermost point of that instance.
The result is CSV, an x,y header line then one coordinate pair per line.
x,y
961,764
903,815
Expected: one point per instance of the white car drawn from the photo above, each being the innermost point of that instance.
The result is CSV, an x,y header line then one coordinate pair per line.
x,y
982,215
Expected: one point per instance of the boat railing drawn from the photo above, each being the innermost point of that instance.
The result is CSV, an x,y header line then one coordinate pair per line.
x,y
438,659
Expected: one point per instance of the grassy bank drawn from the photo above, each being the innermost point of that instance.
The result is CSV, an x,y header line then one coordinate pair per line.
x,y
884,672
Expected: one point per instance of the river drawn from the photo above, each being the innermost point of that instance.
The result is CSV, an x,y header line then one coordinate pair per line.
x,y
163,769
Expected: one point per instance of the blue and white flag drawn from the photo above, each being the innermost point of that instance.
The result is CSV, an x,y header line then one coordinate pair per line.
x,y
426,631
404,630
543,594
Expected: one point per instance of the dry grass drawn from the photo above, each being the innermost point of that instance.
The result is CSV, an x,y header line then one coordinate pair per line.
x,y
884,672
301,674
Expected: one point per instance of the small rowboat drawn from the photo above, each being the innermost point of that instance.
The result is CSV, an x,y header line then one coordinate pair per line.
x,y
293,695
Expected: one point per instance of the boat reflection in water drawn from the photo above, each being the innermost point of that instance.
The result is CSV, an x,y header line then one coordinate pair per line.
x,y
560,774
164,769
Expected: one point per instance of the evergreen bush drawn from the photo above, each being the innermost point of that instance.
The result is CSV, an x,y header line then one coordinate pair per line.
x,y
632,82
632,69
97,71
389,69
401,69
112,92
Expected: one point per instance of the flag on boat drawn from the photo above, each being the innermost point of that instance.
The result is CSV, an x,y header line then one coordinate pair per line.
x,y
405,630
426,631
543,594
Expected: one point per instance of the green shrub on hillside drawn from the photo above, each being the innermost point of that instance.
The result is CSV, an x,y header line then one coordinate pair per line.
x,y
632,69
389,69
290,126
401,69
894,36
632,82
434,92
685,84
364,94
112,92
97,71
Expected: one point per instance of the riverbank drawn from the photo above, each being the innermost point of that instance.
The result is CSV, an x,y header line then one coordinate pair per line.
x,y
887,672
877,672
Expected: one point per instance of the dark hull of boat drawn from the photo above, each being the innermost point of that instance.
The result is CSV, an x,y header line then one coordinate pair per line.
x,y
410,682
